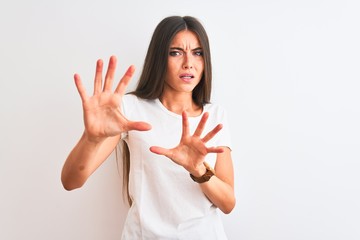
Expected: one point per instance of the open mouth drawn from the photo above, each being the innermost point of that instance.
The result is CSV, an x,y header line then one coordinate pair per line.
x,y
186,77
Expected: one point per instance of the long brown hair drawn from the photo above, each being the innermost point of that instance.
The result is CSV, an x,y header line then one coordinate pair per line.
x,y
151,82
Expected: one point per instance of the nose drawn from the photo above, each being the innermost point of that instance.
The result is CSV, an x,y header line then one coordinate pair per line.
x,y
188,63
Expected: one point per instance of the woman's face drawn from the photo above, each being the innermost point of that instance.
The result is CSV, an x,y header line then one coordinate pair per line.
x,y
185,63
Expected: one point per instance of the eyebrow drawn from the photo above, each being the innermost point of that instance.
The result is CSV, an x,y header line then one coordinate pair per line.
x,y
181,49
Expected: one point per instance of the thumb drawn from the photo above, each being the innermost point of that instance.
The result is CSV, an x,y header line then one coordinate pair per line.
x,y
139,126
161,151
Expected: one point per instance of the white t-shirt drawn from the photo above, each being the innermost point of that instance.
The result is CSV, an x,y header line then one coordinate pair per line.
x,y
167,203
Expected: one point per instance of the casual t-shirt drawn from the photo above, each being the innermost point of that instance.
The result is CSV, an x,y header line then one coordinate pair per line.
x,y
166,202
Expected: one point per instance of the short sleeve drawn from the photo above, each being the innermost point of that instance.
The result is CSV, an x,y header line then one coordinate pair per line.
x,y
224,134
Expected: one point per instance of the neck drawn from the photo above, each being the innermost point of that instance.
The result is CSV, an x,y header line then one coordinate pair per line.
x,y
177,103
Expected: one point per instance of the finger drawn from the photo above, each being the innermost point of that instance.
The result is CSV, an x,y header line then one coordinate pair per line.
x,y
80,87
110,73
212,133
215,150
185,125
161,151
98,76
139,126
121,87
201,126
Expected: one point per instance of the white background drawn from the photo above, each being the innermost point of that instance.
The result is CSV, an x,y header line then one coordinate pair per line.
x,y
287,71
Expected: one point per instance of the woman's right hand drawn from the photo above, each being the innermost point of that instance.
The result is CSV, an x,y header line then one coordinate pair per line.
x,y
102,113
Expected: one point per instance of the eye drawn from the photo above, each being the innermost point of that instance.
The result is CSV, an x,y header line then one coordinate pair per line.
x,y
198,53
174,53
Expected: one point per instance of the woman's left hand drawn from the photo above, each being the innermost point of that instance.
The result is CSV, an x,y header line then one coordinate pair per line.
x,y
191,151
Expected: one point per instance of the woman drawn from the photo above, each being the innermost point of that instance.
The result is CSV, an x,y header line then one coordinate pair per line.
x,y
179,167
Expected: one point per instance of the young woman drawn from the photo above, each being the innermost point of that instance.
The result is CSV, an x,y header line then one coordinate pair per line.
x,y
177,149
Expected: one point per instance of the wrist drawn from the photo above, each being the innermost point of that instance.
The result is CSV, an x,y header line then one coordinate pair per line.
x,y
91,139
209,172
199,170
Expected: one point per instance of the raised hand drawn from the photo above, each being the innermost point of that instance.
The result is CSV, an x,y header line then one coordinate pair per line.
x,y
191,151
102,112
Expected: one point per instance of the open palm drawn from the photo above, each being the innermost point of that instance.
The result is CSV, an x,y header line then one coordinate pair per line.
x,y
102,112
191,151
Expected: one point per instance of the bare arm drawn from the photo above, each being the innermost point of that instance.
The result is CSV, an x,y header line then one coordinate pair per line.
x,y
104,122
220,188
84,159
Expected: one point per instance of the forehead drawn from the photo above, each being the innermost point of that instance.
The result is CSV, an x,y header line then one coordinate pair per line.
x,y
185,39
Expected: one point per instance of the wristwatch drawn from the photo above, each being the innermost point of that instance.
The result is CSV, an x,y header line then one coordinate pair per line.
x,y
207,175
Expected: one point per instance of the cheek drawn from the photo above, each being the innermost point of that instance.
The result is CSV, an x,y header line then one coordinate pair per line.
x,y
201,65
201,71
171,66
